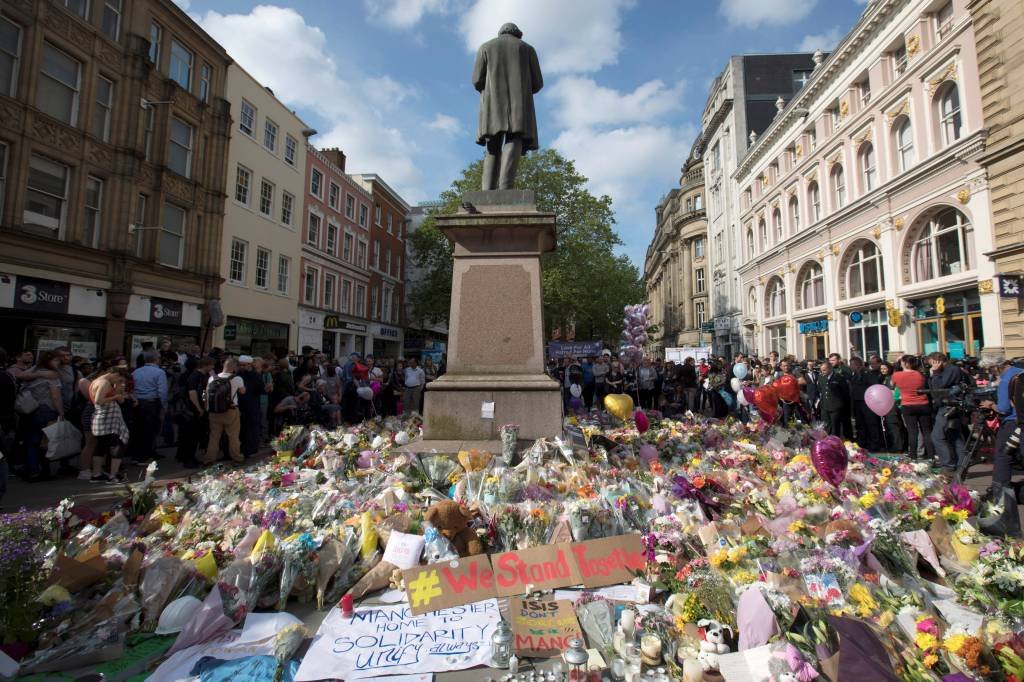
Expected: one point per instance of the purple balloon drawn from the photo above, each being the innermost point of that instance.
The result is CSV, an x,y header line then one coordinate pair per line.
x,y
830,459
879,399
748,394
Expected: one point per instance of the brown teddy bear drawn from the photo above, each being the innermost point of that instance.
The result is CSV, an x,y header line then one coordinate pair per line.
x,y
452,520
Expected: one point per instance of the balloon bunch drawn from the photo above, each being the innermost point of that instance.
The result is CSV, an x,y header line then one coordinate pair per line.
x,y
634,333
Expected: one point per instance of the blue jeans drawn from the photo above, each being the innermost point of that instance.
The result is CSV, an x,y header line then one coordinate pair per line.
x,y
949,446
39,420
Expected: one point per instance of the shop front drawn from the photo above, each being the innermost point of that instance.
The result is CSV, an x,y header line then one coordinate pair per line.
x,y
255,337
814,338
868,332
336,336
152,318
36,314
387,341
950,323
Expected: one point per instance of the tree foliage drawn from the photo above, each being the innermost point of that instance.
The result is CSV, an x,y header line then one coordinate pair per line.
x,y
585,282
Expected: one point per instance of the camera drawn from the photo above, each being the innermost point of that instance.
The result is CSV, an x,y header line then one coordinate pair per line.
x,y
960,398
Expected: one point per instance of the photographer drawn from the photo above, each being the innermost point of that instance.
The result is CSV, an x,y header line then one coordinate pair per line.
x,y
1005,405
946,438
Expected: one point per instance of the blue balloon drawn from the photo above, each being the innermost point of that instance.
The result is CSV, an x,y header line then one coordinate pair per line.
x,y
740,370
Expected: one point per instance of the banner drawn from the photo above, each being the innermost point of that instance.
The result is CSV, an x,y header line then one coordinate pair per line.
x,y
390,640
542,628
579,349
593,563
678,355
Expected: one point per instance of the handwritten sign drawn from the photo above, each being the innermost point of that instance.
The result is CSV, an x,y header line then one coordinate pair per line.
x,y
594,563
391,640
542,628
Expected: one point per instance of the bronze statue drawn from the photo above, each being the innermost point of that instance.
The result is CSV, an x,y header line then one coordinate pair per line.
x,y
507,76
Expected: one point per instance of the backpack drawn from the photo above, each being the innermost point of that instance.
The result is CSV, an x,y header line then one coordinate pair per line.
x,y
218,395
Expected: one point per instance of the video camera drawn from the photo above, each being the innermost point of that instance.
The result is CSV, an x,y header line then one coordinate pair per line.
x,y
960,398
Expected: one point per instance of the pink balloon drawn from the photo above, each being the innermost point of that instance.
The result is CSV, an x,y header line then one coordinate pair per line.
x,y
648,453
375,387
642,423
830,459
748,394
879,399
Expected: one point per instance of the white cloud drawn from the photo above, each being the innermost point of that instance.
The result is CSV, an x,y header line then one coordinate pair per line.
x,y
304,75
753,13
183,4
821,41
572,36
403,14
449,125
582,102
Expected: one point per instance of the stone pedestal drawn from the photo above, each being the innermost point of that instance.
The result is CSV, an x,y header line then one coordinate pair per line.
x,y
496,326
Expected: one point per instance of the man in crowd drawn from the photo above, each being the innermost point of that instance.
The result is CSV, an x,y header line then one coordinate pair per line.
x,y
833,399
588,382
842,372
151,399
415,378
689,381
222,405
869,427
949,446
600,372
191,414
249,406
1011,385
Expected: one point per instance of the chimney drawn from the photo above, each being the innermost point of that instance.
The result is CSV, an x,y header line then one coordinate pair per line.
x,y
335,156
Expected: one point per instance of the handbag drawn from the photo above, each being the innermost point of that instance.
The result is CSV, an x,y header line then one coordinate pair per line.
x,y
25,403
63,440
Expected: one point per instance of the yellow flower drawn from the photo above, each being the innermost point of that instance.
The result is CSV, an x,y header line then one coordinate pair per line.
x,y
886,471
695,462
861,595
718,558
785,489
925,641
796,526
868,499
886,618
955,643
930,660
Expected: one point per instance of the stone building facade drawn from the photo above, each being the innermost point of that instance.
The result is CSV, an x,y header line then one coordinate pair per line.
x,y
998,25
676,266
865,213
112,163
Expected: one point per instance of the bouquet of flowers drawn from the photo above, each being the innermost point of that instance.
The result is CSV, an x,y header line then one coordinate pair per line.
x,y
507,525
996,580
440,470
966,542
536,527
286,643
299,557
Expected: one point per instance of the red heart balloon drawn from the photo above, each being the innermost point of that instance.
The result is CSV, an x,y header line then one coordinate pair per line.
x,y
642,423
830,459
787,388
766,399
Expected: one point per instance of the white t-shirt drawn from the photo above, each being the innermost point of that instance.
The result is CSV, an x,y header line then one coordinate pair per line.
x,y
236,383
414,377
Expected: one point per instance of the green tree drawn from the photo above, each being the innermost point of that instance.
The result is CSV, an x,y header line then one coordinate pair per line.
x,y
585,282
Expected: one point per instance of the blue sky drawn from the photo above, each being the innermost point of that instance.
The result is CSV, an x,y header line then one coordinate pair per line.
x,y
625,80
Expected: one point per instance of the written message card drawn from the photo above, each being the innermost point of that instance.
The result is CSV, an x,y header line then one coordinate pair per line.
x,y
594,563
542,627
391,640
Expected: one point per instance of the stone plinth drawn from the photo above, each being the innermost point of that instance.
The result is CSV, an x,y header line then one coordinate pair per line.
x,y
496,326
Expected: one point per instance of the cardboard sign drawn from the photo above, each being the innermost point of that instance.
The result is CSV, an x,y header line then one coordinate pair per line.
x,y
448,584
533,569
542,628
403,550
609,561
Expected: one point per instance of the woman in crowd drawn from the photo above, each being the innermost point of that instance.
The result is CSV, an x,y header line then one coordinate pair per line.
x,y
646,376
895,441
43,383
615,379
107,393
328,400
915,408
429,368
85,459
395,387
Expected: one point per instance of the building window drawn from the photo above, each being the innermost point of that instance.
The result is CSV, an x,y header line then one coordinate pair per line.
x,y
313,229
236,264
386,305
329,282
698,247
180,70
247,118
763,234
376,214
361,254
112,18
867,166
171,250
794,214
350,207
944,20
720,246
775,298
700,280
10,50
376,255
904,144
104,104
156,33
148,123
390,222
205,82
777,224
262,268
266,198
700,313
360,300
949,114
46,197
864,274
812,286
777,339
284,265
309,289
243,182
362,216
332,196
79,7
750,243
59,82
838,186
287,207
398,265
899,59
3,176
815,194
93,208
800,78
346,294
332,238
812,139
140,219
290,147
944,246
316,183
698,202
374,313
870,336
179,152
270,135
864,92
346,249
752,302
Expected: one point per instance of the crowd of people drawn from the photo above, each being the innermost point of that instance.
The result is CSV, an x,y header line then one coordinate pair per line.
x,y
210,407
936,399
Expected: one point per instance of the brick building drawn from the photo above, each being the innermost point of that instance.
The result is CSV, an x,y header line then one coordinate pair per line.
x,y
113,146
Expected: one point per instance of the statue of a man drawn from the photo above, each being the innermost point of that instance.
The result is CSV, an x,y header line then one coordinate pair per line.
x,y
507,75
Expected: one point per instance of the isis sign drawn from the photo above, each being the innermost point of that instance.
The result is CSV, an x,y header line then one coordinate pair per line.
x,y
594,563
41,295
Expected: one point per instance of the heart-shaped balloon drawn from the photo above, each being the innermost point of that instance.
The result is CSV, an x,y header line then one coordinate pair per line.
x,y
642,423
619,404
748,394
787,388
766,400
830,459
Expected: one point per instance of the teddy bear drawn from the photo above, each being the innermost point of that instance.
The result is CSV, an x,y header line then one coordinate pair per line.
x,y
787,664
712,643
453,520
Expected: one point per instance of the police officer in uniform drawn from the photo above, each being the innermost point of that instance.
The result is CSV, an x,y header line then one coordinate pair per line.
x,y
833,399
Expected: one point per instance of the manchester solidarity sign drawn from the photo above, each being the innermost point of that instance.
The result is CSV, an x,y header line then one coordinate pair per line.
x,y
594,563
